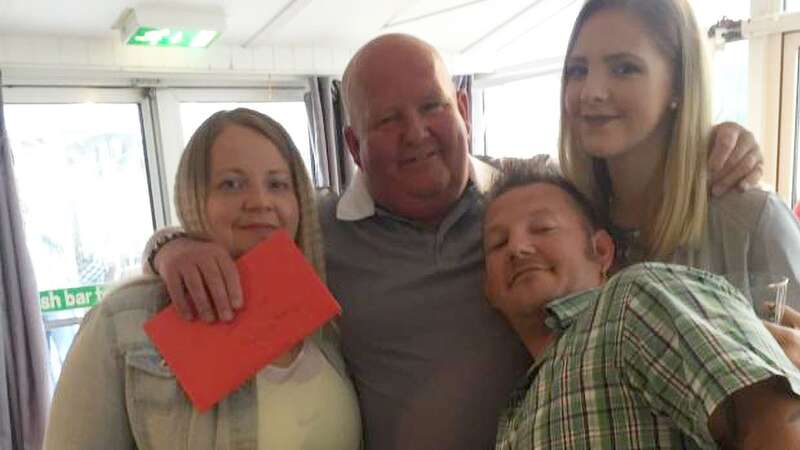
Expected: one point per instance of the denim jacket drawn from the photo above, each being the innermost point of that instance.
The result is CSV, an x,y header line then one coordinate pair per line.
x,y
116,392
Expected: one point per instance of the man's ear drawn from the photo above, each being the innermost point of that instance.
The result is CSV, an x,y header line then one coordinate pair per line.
x,y
353,146
603,246
462,100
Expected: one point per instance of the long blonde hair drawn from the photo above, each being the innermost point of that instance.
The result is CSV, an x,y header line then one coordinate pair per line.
x,y
193,177
679,218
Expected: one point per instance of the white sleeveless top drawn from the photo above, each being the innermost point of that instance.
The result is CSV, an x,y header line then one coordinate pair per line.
x,y
306,406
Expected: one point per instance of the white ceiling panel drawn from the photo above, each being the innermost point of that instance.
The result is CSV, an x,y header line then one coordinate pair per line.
x,y
507,31
542,37
90,18
333,23
456,29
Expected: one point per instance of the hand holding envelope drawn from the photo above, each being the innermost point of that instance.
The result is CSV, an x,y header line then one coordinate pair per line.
x,y
285,301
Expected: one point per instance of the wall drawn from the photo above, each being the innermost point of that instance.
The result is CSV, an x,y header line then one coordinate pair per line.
x,y
111,55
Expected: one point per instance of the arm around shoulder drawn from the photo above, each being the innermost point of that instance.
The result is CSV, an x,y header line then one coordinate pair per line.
x,y
156,241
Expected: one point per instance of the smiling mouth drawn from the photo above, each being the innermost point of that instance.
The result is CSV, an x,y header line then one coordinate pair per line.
x,y
518,274
598,121
417,159
259,227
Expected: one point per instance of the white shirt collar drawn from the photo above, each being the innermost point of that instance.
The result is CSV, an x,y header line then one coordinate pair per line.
x,y
356,203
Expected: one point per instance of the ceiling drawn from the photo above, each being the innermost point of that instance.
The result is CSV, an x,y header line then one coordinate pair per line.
x,y
510,32
526,29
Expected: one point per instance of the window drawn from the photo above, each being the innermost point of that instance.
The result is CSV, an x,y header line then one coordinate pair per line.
x,y
788,158
522,117
83,184
292,115
791,5
730,82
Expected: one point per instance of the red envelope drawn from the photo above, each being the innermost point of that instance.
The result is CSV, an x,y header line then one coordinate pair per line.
x,y
285,301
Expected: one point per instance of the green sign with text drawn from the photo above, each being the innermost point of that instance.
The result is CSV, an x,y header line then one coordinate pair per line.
x,y
70,298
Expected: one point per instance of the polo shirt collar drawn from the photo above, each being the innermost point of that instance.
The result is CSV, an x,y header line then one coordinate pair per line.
x,y
562,312
356,202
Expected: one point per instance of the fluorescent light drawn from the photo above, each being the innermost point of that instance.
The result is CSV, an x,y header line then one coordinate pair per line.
x,y
171,26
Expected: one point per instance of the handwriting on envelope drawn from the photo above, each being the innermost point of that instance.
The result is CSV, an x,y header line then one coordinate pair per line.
x,y
285,301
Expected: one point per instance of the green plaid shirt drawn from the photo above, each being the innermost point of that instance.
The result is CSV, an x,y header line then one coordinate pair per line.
x,y
641,363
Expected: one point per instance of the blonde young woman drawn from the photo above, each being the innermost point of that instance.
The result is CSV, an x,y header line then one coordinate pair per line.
x,y
635,123
240,178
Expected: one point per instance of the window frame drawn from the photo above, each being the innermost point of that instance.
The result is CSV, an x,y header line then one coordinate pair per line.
x,y
789,144
66,95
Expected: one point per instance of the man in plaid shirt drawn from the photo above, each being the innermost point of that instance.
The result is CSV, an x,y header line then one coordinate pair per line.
x,y
660,356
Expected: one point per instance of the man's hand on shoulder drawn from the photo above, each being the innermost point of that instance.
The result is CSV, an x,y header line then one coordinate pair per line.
x,y
734,160
200,277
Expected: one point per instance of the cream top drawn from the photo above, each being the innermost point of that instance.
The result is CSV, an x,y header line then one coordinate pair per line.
x,y
306,406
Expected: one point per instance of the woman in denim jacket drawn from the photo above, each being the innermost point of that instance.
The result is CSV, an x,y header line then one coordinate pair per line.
x,y
240,178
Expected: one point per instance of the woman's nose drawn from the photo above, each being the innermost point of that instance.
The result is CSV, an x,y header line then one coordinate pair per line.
x,y
259,198
595,88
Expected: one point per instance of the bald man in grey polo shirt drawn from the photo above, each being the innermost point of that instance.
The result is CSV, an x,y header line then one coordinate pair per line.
x,y
432,362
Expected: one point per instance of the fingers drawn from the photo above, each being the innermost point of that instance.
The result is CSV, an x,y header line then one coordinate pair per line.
x,y
174,283
725,136
788,339
790,318
743,164
734,175
193,282
215,288
230,276
752,180
202,275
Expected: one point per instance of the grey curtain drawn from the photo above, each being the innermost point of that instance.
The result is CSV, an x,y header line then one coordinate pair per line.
x,y
24,390
464,83
333,165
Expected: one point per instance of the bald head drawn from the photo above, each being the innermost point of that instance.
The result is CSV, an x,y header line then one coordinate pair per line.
x,y
396,48
408,130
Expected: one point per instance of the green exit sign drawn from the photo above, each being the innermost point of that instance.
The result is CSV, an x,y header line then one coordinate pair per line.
x,y
172,37
70,298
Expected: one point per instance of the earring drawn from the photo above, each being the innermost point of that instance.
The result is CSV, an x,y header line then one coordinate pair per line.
x,y
673,105
603,276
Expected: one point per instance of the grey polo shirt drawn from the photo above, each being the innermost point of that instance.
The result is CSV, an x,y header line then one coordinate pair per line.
x,y
433,363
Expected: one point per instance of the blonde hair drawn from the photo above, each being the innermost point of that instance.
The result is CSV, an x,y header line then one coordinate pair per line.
x,y
192,179
679,218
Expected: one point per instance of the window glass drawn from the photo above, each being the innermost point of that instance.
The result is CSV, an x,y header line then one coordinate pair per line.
x,y
85,201
292,115
791,5
729,82
795,198
522,117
